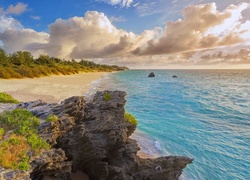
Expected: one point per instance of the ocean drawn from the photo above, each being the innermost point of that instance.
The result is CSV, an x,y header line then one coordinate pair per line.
x,y
202,114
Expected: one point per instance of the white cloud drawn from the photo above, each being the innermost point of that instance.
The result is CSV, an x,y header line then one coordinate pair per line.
x,y
117,19
127,3
237,55
35,17
18,9
122,3
95,37
136,4
8,22
92,36
19,39
149,8
196,31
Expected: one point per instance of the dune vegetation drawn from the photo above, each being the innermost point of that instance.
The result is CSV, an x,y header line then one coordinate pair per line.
x,y
22,64
6,98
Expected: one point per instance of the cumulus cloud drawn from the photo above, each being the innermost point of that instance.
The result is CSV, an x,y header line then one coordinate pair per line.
x,y
92,36
18,9
188,41
19,39
8,22
241,56
191,33
123,3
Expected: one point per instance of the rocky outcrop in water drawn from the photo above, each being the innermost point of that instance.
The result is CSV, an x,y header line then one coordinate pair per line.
x,y
151,74
93,137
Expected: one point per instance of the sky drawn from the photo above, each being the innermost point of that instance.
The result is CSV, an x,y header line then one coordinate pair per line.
x,y
139,34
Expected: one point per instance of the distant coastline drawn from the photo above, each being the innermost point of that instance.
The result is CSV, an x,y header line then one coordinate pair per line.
x,y
22,64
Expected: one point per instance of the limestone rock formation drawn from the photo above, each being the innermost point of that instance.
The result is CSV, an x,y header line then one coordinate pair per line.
x,y
51,164
8,174
93,137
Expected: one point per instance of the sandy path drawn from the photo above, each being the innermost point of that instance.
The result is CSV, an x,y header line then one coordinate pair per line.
x,y
49,89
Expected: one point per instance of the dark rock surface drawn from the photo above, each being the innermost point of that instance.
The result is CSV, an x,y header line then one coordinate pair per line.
x,y
51,164
93,137
151,74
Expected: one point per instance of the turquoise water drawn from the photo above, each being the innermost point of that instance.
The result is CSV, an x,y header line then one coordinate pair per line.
x,y
202,114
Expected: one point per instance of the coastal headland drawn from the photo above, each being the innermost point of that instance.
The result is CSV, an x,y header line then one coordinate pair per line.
x,y
90,136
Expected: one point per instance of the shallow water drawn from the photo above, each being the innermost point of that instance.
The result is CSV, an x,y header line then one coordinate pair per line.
x,y
202,114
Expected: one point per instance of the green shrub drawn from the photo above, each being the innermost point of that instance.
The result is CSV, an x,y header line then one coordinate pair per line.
x,y
107,96
130,118
13,73
24,164
52,118
24,139
1,133
37,143
4,73
21,121
6,98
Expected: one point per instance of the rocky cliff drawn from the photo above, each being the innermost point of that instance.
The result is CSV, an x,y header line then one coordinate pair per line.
x,y
92,137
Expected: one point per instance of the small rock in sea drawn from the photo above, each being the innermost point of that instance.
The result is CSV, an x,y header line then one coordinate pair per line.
x,y
151,74
174,76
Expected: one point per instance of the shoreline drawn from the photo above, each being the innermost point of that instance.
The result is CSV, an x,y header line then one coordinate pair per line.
x,y
56,88
50,89
145,141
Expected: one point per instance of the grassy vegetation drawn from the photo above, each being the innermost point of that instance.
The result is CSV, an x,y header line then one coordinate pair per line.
x,y
23,139
130,118
21,64
1,133
107,96
6,98
52,118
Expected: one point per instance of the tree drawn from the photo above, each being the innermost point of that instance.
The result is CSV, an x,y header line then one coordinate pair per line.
x,y
17,58
43,59
4,59
28,57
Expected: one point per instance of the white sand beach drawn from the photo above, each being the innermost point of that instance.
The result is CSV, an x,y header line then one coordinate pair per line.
x,y
49,89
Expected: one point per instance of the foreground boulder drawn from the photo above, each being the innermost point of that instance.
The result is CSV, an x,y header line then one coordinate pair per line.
x,y
93,137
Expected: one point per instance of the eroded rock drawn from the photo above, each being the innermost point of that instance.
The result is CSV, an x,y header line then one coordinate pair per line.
x,y
93,137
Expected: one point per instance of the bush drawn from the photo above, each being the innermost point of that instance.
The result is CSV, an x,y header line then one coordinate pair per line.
x,y
6,98
130,118
52,118
37,143
1,133
19,120
13,73
24,139
4,73
107,96
13,153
